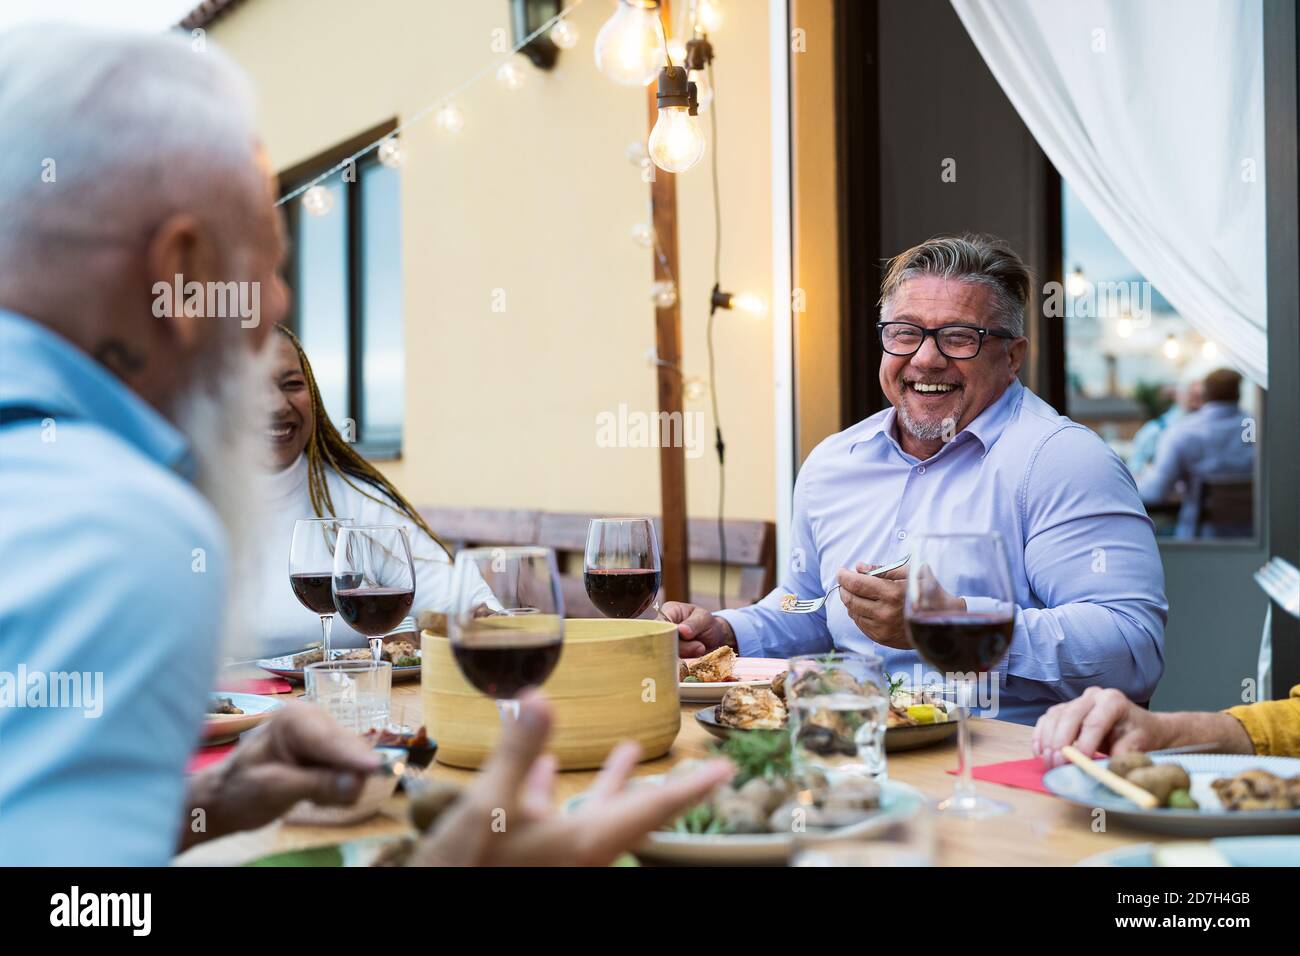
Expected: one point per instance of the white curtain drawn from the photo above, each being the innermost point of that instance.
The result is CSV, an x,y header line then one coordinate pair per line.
x,y
1153,112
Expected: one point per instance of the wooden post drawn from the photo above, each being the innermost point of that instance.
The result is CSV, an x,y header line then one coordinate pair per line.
x,y
668,342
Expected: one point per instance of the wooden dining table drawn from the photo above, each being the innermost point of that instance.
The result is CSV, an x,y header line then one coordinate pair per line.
x,y
1040,830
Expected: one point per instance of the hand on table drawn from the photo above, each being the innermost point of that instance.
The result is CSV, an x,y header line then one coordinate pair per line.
x,y
698,631
876,603
299,753
505,818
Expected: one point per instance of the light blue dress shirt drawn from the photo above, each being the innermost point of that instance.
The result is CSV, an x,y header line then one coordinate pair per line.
x,y
1209,441
1089,586
113,571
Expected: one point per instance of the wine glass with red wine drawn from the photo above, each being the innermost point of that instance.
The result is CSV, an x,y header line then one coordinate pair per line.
x,y
960,613
311,568
374,580
507,620
621,570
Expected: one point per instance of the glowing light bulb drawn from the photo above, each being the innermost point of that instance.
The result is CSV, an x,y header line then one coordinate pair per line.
x,y
564,35
643,234
449,119
694,389
635,152
512,74
630,46
676,142
1172,348
1124,327
708,15
664,294
390,153
677,50
749,303
1209,350
318,201
1075,284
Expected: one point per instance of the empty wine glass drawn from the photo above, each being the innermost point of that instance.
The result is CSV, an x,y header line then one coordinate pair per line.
x,y
960,613
507,620
621,569
374,580
311,568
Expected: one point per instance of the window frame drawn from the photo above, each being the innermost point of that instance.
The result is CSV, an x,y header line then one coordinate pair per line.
x,y
354,325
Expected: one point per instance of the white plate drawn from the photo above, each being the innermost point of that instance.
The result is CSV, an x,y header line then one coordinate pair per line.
x,y
283,667
1237,851
898,802
1071,783
755,671
222,728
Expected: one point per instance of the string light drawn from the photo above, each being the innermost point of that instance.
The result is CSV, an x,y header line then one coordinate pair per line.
x,y
676,142
747,302
390,153
1209,350
708,16
1172,348
513,74
635,152
449,119
698,56
694,389
643,234
630,46
664,294
564,35
1075,284
1124,327
318,201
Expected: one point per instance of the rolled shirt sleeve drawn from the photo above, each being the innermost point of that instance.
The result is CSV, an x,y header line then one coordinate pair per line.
x,y
1273,725
1091,560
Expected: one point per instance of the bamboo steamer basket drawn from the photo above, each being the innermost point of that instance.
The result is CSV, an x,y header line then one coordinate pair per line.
x,y
616,680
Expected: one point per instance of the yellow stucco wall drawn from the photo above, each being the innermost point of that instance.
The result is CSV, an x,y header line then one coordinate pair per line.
x,y
534,197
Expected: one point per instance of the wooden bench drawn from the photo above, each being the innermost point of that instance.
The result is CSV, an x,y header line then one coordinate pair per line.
x,y
751,548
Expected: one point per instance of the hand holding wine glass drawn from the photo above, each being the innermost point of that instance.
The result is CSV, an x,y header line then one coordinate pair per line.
x,y
311,568
507,620
960,615
621,569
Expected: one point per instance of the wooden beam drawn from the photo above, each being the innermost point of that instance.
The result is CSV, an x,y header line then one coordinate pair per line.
x,y
668,342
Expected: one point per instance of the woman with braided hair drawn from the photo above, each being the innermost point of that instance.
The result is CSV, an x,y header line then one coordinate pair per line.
x,y
316,473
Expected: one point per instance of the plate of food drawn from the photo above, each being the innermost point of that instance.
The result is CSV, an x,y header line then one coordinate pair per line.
x,y
707,678
917,718
1227,851
399,650
756,818
1196,794
229,715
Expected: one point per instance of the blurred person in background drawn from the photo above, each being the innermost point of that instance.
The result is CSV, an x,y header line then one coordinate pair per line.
x,y
1211,442
1187,398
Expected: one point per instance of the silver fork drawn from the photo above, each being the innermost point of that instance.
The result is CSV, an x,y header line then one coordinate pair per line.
x,y
812,605
1281,581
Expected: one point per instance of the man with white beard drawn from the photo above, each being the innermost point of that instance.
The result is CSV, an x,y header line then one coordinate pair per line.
x,y
130,165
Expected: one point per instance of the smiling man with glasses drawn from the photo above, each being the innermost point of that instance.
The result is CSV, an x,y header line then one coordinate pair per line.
x,y
965,447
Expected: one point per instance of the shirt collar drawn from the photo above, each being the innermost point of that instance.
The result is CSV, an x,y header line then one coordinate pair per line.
x,y
987,427
44,370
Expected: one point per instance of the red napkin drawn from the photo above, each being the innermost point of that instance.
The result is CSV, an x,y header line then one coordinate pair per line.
x,y
1025,774
256,685
207,756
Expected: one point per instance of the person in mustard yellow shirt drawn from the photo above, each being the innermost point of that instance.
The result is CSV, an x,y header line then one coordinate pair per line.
x,y
1107,721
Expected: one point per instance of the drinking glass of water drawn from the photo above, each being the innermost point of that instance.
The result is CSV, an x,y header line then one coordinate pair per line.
x,y
355,693
839,709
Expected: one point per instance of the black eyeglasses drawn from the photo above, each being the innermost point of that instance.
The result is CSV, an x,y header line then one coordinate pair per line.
x,y
954,341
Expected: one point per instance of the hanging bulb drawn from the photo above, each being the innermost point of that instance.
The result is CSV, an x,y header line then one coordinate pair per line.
x,y
676,142
1172,348
318,201
390,153
708,15
747,302
1124,327
630,46
694,389
512,74
635,152
696,57
676,50
643,234
1209,350
664,294
564,35
1075,283
449,119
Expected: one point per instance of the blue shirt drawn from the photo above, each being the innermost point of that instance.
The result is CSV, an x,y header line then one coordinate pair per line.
x,y
1210,441
1089,586
114,577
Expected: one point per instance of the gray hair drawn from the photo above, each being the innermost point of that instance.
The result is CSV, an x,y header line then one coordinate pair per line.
x,y
978,259
107,132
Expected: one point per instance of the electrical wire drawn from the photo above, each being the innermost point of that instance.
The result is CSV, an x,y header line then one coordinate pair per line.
x,y
708,337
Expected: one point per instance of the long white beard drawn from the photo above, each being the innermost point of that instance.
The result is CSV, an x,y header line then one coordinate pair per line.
x,y
222,416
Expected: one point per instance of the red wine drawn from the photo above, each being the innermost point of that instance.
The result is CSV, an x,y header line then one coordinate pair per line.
x,y
621,592
503,670
961,643
373,611
316,591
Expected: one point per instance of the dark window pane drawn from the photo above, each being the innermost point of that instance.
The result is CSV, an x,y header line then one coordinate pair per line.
x,y
321,291
382,377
